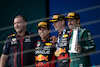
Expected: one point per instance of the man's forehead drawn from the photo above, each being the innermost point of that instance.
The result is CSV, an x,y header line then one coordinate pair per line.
x,y
18,19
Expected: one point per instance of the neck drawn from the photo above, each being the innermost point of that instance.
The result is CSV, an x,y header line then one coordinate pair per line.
x,y
44,38
78,25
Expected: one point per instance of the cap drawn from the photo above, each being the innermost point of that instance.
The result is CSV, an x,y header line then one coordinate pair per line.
x,y
72,15
57,17
43,24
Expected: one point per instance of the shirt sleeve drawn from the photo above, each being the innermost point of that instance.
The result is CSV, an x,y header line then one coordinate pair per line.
x,y
88,40
6,47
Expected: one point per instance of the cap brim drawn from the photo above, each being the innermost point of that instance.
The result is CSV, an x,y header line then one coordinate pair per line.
x,y
52,20
41,26
69,17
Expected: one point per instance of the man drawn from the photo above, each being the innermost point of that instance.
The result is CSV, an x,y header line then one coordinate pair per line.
x,y
84,45
61,52
44,53
17,44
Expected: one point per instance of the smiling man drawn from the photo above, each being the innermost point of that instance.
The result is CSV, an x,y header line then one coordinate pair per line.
x,y
44,53
17,44
62,46
85,42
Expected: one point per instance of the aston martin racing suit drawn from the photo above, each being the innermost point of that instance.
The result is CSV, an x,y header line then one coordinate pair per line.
x,y
86,41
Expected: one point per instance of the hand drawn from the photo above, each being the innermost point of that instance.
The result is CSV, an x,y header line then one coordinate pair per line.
x,y
78,48
53,38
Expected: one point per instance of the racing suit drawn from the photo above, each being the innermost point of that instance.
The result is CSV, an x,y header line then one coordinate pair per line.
x,y
87,44
63,59
44,53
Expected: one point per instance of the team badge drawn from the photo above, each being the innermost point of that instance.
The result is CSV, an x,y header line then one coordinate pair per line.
x,y
38,43
41,58
65,35
48,44
28,40
14,41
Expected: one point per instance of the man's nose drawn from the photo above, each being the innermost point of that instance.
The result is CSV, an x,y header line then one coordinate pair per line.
x,y
69,22
41,30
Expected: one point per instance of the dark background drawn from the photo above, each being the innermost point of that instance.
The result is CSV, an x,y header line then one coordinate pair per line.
x,y
33,10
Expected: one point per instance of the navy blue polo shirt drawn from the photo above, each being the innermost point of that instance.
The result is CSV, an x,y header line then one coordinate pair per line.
x,y
20,49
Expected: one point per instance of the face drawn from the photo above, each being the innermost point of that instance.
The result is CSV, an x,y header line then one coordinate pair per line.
x,y
43,32
58,25
19,25
72,23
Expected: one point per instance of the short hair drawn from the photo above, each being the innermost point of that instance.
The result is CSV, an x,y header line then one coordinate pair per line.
x,y
24,19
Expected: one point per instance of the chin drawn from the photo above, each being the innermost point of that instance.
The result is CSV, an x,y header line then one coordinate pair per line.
x,y
42,36
18,31
56,29
70,27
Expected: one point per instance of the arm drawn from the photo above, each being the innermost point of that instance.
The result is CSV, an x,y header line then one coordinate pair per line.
x,y
53,38
4,59
86,43
4,56
90,45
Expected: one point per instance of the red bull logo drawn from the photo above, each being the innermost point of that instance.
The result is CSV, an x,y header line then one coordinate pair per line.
x,y
63,57
41,57
62,50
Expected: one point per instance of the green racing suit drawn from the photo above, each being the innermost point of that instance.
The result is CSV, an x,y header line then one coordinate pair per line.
x,y
87,44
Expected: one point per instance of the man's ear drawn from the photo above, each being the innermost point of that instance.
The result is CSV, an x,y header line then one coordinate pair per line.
x,y
49,30
25,23
78,21
63,21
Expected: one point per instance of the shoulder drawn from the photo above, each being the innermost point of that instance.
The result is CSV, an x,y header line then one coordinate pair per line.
x,y
38,43
82,30
32,34
11,35
85,32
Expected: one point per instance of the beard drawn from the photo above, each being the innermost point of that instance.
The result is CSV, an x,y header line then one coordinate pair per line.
x,y
71,26
19,29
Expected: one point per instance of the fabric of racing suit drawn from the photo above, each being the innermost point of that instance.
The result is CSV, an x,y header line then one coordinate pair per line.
x,y
44,53
63,59
86,41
